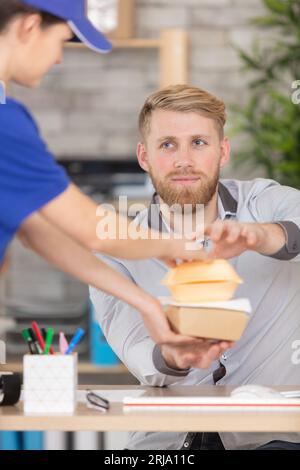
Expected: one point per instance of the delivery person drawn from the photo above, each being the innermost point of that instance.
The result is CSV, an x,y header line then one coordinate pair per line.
x,y
37,200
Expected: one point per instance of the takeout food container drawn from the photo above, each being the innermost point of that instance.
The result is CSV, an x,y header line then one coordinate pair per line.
x,y
201,304
200,281
212,320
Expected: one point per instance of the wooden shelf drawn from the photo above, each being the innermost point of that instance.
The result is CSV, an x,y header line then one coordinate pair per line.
x,y
173,48
123,44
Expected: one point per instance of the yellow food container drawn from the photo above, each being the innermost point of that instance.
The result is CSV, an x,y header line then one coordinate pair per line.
x,y
204,291
201,281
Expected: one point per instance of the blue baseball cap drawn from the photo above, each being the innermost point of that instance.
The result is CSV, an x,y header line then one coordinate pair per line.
x,y
74,12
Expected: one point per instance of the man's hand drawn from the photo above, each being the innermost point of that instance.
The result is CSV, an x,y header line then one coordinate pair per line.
x,y
231,238
200,355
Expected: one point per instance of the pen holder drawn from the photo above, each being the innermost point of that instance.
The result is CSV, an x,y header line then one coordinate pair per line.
x,y
50,383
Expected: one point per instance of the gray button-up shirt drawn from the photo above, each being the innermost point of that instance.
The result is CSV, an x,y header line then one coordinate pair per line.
x,y
268,352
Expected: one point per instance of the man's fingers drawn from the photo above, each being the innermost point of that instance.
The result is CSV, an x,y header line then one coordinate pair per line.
x,y
221,228
187,361
231,230
202,358
174,339
234,234
203,362
251,239
245,231
249,235
218,230
199,355
214,352
226,344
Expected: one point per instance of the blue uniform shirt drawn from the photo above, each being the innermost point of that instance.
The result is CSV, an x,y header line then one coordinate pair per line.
x,y
29,175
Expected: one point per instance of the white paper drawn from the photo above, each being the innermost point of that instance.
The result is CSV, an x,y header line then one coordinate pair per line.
x,y
211,403
234,304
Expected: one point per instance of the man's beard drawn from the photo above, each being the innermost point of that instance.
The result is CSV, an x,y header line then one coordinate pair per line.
x,y
197,193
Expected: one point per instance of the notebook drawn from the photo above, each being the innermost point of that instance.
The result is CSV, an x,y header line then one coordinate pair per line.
x,y
211,403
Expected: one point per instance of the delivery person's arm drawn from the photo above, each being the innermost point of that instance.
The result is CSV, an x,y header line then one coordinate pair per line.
x,y
69,256
31,181
76,215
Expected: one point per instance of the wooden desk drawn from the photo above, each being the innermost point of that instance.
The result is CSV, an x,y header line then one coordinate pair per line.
x,y
116,419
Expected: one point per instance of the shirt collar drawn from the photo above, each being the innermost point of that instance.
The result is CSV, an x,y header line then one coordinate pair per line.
x,y
227,204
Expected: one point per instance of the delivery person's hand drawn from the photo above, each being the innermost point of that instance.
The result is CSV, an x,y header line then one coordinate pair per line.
x,y
200,355
183,250
158,325
231,238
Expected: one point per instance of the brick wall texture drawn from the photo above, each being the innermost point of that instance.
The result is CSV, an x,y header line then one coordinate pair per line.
x,y
87,107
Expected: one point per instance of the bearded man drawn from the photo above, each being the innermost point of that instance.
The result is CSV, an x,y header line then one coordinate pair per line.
x,y
254,224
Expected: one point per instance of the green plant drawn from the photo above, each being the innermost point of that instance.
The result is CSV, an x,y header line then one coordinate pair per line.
x,y
270,121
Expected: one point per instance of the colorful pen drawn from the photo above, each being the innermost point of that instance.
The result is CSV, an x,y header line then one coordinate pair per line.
x,y
75,340
35,341
38,334
44,333
30,343
48,341
63,343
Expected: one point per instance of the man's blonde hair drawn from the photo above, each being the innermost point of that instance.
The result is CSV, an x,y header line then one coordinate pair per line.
x,y
185,99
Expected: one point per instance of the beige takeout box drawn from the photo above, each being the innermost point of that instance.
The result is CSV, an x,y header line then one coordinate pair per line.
x,y
213,320
201,302
202,281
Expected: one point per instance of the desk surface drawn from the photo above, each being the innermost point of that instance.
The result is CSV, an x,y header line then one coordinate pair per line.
x,y
116,419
